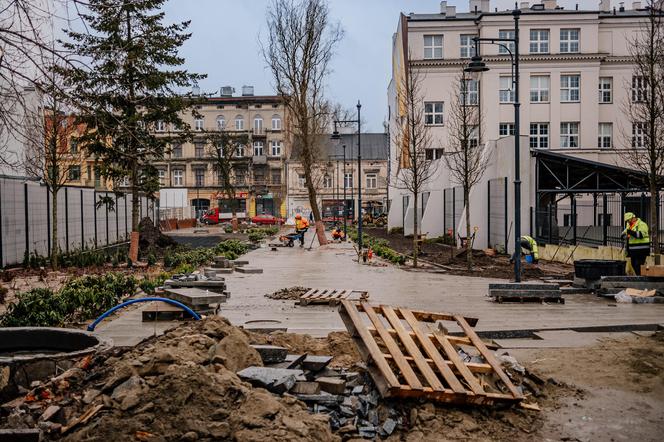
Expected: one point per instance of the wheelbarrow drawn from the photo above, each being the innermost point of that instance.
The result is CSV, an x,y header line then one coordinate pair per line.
x,y
289,239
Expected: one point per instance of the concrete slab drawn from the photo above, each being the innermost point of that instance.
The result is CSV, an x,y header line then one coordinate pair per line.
x,y
218,271
559,339
252,270
194,296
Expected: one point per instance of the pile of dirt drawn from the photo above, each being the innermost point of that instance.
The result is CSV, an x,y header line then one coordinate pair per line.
x,y
179,386
290,293
151,237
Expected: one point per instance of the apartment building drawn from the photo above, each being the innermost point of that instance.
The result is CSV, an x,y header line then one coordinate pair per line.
x,y
576,77
336,177
187,174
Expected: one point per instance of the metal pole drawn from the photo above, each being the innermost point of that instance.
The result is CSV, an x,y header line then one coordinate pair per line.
x,y
517,166
336,196
345,201
359,178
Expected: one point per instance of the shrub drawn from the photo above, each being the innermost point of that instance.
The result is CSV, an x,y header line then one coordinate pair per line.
x,y
256,236
148,285
396,230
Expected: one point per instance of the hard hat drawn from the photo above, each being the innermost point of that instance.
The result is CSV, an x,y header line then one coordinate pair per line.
x,y
628,216
298,216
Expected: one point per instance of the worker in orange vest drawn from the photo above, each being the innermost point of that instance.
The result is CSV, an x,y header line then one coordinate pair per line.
x,y
301,226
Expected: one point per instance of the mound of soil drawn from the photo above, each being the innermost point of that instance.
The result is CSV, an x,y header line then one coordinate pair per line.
x,y
151,237
293,293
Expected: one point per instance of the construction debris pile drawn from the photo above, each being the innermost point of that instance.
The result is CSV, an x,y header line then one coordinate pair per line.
x,y
290,293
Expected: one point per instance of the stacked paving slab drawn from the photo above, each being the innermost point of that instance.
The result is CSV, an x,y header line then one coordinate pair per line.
x,y
200,293
524,292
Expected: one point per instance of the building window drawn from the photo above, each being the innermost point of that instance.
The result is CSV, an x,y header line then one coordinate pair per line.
x,y
639,89
275,176
239,123
433,47
178,177
160,126
258,148
348,180
539,135
569,134
258,125
199,175
467,45
239,150
275,148
433,154
605,134
569,88
73,145
505,129
221,122
177,151
506,93
301,181
433,113
240,176
505,45
639,131
276,122
474,139
539,41
605,89
372,181
199,124
569,40
539,88
162,177
327,181
470,94
199,150
74,173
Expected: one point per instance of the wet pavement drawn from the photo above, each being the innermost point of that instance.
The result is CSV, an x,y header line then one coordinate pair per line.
x,y
334,266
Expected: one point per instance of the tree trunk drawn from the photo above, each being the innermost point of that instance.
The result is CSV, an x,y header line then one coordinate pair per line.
x,y
469,246
320,228
654,216
415,230
55,250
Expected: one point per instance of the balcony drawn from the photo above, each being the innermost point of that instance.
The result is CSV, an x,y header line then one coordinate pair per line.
x,y
259,159
258,132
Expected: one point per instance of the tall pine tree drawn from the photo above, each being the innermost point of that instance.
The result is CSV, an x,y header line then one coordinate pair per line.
x,y
126,84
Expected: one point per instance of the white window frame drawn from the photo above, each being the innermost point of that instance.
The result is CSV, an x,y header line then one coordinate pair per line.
x,y
259,148
162,176
178,178
466,45
199,124
540,135
301,180
433,50
221,122
327,181
639,89
605,90
348,180
471,95
239,122
639,133
276,122
570,88
569,134
196,176
605,135
568,43
275,148
258,124
239,150
506,93
539,88
432,154
505,129
371,180
539,41
160,126
474,138
506,33
434,113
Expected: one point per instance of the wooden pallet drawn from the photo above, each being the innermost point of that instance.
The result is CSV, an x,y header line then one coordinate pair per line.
x,y
407,357
530,298
330,296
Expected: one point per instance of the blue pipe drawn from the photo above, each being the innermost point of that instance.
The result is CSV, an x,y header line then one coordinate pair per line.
x,y
92,326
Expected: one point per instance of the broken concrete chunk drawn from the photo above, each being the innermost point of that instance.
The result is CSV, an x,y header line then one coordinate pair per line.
x,y
50,413
248,270
306,388
332,385
267,376
323,399
271,354
311,362
282,385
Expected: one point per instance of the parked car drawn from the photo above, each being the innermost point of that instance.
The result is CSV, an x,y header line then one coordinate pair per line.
x,y
267,220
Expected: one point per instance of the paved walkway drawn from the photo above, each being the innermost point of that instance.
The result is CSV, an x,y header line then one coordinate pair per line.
x,y
332,266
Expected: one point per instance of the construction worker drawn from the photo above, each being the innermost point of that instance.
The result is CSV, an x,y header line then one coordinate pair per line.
x,y
337,234
638,241
301,226
528,247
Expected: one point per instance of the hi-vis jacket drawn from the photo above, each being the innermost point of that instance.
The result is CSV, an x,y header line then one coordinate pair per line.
x,y
638,236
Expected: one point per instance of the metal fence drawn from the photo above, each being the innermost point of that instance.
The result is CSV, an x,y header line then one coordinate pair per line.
x,y
178,213
592,219
25,219
452,207
497,216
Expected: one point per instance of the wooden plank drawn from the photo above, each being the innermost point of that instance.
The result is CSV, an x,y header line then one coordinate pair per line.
x,y
372,347
472,366
433,317
410,345
453,356
433,353
454,339
393,348
488,356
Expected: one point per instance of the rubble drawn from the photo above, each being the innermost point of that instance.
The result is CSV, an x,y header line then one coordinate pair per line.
x,y
290,293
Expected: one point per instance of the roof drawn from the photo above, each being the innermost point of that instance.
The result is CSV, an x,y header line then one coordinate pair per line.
x,y
375,146
242,99
461,16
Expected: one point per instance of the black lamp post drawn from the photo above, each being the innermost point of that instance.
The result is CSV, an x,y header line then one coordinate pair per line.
x,y
336,136
477,65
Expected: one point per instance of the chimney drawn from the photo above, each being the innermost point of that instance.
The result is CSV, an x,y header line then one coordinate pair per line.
x,y
636,5
247,91
622,7
480,6
524,5
226,91
451,11
550,4
605,5
443,7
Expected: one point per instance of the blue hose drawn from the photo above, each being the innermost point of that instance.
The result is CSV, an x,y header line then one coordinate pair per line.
x,y
92,326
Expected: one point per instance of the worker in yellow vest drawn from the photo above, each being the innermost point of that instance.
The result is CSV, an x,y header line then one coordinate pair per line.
x,y
638,241
528,247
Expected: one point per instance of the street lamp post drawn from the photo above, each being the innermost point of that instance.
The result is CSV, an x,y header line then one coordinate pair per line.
x,y
336,136
477,65
345,201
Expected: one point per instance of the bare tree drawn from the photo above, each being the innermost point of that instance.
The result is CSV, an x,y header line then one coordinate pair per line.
x,y
465,157
52,152
298,50
415,161
645,108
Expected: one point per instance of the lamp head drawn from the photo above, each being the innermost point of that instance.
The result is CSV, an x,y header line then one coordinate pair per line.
x,y
476,65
